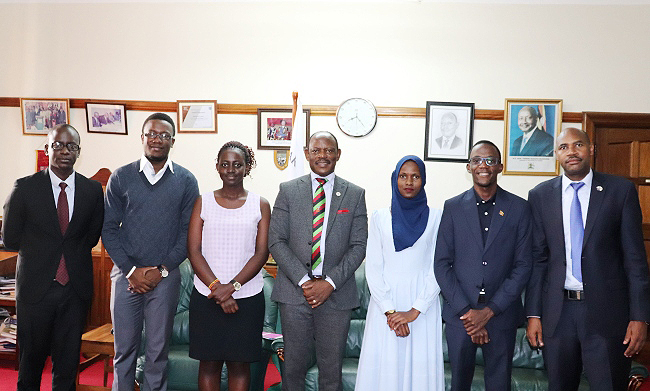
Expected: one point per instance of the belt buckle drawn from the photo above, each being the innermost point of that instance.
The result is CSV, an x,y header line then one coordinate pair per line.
x,y
575,295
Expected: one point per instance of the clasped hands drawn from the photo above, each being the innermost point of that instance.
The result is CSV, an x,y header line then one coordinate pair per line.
x,y
316,291
474,322
144,279
398,321
222,295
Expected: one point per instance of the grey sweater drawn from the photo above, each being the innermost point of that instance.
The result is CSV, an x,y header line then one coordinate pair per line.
x,y
145,224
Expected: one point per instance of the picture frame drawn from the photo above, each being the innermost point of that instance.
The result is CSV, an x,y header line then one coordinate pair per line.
x,y
39,115
449,131
106,117
274,128
281,158
196,116
535,123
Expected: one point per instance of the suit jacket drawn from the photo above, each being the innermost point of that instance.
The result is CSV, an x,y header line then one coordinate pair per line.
x,y
463,264
290,238
614,268
31,226
539,144
456,142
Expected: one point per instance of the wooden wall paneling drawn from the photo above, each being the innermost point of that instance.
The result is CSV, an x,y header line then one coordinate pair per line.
x,y
644,159
644,200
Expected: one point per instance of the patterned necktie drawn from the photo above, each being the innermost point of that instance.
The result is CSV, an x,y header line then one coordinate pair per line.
x,y
577,233
318,207
63,212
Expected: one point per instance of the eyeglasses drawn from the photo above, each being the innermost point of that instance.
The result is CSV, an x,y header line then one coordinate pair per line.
x,y
162,136
72,147
328,151
490,161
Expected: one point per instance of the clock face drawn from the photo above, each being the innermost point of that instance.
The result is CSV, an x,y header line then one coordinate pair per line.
x,y
356,117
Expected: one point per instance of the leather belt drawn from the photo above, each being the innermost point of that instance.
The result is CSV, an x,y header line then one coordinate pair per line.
x,y
574,295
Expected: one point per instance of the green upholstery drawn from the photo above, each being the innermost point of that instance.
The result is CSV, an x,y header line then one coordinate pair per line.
x,y
528,365
182,370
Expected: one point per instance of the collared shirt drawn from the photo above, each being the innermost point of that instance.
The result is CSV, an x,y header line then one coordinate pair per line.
x,y
584,193
69,190
525,137
152,176
328,188
485,209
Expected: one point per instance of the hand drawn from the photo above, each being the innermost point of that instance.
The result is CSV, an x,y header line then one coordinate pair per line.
x,y
221,292
139,283
534,333
403,330
229,306
399,318
474,320
635,337
153,275
480,337
316,292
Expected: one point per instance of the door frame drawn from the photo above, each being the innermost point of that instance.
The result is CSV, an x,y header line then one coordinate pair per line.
x,y
593,120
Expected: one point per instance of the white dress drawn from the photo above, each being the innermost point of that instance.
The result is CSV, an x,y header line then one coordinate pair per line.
x,y
401,281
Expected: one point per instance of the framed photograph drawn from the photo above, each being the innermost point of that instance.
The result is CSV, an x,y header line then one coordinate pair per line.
x,y
448,131
275,128
531,127
106,118
197,116
42,115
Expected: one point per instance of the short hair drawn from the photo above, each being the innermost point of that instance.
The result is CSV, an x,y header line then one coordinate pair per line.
x,y
50,133
531,110
488,142
449,114
323,133
160,117
249,155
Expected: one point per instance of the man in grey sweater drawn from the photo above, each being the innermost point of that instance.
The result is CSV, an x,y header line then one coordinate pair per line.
x,y
148,208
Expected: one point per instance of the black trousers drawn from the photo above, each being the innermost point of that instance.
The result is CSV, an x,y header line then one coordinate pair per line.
x,y
51,327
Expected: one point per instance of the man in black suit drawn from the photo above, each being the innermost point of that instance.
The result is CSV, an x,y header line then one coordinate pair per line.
x,y
589,296
53,219
482,264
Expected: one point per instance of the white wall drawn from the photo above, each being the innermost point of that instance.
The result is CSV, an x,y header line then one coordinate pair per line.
x,y
593,57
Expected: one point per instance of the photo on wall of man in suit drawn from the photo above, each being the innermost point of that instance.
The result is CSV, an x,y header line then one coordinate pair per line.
x,y
448,131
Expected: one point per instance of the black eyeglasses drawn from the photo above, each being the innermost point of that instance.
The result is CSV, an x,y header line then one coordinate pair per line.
x,y
72,147
490,161
162,136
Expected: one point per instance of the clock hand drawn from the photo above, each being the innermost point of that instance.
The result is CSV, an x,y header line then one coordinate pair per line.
x,y
360,122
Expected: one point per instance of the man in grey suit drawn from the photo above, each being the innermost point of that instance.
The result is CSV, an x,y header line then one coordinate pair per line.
x,y
318,234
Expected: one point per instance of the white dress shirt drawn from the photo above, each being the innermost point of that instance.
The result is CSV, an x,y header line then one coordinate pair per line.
x,y
150,173
524,138
69,190
570,281
328,187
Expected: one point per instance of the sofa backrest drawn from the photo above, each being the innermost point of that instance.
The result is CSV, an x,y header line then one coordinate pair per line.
x,y
358,322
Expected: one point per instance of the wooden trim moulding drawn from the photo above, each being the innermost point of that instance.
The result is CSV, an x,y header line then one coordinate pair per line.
x,y
251,109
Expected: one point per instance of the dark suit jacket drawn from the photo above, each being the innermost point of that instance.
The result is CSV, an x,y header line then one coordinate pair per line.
x,y
539,144
290,237
455,143
614,268
463,264
31,226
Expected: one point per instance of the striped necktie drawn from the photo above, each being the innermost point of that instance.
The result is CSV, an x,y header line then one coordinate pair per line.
x,y
318,207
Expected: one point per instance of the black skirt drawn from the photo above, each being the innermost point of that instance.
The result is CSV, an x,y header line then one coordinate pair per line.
x,y
217,336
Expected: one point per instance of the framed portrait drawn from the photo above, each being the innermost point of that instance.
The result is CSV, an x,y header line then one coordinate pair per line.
x,y
42,115
531,128
275,128
106,118
197,116
448,131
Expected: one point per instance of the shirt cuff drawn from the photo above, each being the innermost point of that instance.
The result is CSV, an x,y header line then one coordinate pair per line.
x,y
331,282
534,316
303,280
420,305
130,272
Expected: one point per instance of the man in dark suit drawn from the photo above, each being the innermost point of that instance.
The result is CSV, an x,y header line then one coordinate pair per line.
x,y
589,297
536,142
482,264
448,140
317,236
53,219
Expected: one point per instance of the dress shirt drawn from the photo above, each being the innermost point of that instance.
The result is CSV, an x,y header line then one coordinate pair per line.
x,y
485,209
571,282
447,140
525,137
150,173
69,191
328,187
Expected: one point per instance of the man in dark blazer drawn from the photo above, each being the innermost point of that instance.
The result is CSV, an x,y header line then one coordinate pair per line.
x,y
589,297
536,141
482,263
315,285
53,219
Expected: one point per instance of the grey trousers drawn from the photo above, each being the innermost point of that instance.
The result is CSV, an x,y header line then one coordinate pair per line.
x,y
131,312
323,330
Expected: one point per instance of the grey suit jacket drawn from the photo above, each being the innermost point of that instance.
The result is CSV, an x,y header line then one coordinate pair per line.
x,y
290,237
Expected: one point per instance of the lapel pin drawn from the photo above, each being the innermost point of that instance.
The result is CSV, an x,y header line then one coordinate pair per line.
x,y
599,188
501,213
338,193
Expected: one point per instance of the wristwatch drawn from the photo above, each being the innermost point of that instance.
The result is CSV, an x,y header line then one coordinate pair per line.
x,y
235,285
389,312
163,271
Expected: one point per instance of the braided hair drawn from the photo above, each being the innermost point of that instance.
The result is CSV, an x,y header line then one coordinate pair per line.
x,y
249,156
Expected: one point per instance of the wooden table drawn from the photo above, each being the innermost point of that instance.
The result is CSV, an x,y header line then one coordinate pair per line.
x,y
97,344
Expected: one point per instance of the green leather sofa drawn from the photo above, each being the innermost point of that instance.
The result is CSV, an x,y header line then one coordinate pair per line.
x,y
182,370
528,366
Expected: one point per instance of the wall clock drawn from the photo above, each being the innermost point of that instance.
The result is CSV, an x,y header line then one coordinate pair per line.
x,y
356,117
